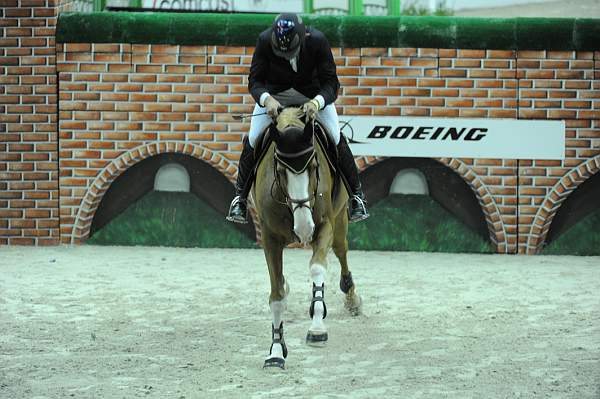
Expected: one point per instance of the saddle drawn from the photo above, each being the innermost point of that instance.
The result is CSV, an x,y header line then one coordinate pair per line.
x,y
323,140
329,148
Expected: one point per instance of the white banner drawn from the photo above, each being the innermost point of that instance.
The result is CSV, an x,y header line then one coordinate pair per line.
x,y
455,137
227,5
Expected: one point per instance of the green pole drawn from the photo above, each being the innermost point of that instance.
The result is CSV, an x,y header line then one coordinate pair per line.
x,y
309,6
135,3
99,5
393,7
355,7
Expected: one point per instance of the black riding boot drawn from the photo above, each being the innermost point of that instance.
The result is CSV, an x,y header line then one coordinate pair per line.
x,y
238,210
357,207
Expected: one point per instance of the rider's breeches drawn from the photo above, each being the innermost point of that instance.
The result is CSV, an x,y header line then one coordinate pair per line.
x,y
327,116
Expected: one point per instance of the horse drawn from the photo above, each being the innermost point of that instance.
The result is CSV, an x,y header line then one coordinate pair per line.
x,y
299,197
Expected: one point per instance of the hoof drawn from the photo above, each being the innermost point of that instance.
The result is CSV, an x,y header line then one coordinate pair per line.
x,y
353,303
316,339
274,362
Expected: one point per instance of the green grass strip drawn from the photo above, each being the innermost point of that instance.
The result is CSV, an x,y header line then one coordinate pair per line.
x,y
397,223
171,219
582,238
414,223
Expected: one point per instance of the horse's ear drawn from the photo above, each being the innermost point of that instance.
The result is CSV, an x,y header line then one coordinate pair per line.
x,y
308,131
275,134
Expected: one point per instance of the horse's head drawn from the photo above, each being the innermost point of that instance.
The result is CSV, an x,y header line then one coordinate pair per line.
x,y
296,169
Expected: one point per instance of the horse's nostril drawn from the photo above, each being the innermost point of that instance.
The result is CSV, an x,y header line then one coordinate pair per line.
x,y
304,231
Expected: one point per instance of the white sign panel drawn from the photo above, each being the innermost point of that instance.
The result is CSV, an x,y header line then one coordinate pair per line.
x,y
227,5
455,137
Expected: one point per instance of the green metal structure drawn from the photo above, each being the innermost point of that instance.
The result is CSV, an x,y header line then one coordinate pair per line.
x,y
393,7
99,5
309,6
355,7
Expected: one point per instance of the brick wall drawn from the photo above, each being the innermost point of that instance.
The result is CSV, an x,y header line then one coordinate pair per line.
x,y
119,98
119,103
28,123
557,85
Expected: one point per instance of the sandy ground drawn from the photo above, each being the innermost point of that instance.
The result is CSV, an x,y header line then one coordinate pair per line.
x,y
118,322
548,9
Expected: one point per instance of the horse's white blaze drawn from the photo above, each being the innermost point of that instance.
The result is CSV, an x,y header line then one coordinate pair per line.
x,y
277,308
317,273
297,186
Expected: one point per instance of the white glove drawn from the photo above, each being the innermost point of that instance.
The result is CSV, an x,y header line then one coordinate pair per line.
x,y
272,106
310,109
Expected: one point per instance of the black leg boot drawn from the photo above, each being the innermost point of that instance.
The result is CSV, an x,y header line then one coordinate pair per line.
x,y
357,207
238,210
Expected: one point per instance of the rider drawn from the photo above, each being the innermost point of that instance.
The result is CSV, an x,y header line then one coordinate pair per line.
x,y
292,66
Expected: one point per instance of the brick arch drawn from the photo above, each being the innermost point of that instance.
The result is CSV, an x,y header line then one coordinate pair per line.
x,y
491,212
561,190
96,190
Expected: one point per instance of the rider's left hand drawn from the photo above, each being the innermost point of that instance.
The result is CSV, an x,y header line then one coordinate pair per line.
x,y
310,109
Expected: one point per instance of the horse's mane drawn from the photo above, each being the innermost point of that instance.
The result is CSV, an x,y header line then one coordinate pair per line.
x,y
290,117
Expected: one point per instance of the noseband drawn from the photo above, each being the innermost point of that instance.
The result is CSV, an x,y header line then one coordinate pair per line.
x,y
292,203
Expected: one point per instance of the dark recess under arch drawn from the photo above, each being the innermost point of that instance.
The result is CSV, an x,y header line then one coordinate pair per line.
x,y
580,203
206,183
445,186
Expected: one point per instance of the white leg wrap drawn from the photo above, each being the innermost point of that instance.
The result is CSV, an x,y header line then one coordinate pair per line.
x,y
276,351
277,308
317,273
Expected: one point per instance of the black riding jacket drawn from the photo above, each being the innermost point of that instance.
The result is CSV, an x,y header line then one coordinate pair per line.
x,y
316,69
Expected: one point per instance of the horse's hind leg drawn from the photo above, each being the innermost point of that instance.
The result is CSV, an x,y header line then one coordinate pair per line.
x,y
273,249
352,301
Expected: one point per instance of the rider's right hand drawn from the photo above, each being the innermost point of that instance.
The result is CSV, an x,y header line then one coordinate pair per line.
x,y
273,106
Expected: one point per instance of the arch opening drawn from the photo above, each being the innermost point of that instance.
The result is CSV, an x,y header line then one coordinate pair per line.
x,y
409,181
575,229
419,204
188,209
172,177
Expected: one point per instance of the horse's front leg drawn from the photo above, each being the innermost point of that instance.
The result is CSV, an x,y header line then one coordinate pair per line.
x,y
317,333
273,249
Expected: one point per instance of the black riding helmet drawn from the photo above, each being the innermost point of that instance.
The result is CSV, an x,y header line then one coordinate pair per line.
x,y
288,35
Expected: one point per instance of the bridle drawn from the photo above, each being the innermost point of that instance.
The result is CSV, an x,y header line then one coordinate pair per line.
x,y
292,203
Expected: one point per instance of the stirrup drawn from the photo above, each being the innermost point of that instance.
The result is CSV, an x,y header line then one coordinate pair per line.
x,y
358,212
238,213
